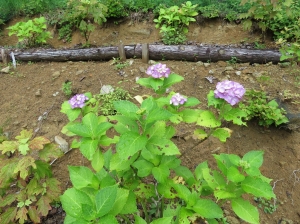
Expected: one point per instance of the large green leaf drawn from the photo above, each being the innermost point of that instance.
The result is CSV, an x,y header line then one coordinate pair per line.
x,y
88,147
98,161
187,175
254,158
172,79
208,119
124,124
158,114
222,133
72,114
190,115
127,108
198,171
144,167
72,220
73,200
105,200
162,146
182,191
234,175
80,129
139,220
108,219
257,187
245,210
131,206
157,129
164,220
130,143
9,215
235,115
82,176
161,173
191,101
120,202
208,209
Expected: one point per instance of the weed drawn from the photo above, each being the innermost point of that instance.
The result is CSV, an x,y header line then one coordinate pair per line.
x,y
119,64
267,206
67,88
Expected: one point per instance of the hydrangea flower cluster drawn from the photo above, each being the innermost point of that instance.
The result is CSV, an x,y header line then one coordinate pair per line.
x,y
77,101
230,91
178,99
158,71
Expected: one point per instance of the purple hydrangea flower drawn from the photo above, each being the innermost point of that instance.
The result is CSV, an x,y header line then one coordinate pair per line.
x,y
178,99
230,91
77,101
158,71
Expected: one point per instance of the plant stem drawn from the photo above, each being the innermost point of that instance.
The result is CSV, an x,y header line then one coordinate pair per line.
x,y
145,211
125,218
162,205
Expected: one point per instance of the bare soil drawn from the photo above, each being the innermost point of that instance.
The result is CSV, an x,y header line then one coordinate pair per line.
x,y
27,93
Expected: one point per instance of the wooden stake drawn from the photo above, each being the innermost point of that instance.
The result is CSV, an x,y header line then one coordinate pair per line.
x,y
122,54
145,53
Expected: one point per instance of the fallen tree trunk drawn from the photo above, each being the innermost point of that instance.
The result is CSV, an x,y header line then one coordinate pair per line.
x,y
156,52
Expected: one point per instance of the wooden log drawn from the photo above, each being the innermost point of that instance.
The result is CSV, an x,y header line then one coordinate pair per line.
x,y
156,52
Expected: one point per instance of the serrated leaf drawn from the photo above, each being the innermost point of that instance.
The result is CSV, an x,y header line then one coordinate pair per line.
x,y
162,146
9,215
124,124
33,214
158,114
23,149
127,108
50,151
82,177
139,220
172,79
98,161
198,170
10,198
120,202
257,187
222,133
72,114
131,206
223,194
53,189
157,129
130,143
234,175
191,101
200,134
182,191
9,146
235,115
254,158
144,167
187,175
23,165
245,210
161,173
24,134
190,115
72,201
38,142
88,147
212,101
21,215
108,219
208,119
145,191
105,200
43,205
164,220
42,170
208,209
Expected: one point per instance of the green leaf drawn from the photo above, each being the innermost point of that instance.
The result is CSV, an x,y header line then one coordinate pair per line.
x,y
38,142
190,115
200,134
208,209
161,173
245,210
158,114
82,176
131,206
164,220
170,161
254,158
9,215
130,143
33,214
127,108
50,151
124,124
43,169
187,175
139,220
43,205
73,200
24,136
155,83
23,149
71,220
222,133
120,202
162,145
108,219
105,200
10,198
157,129
9,146
212,101
223,194
208,119
191,101
98,161
234,175
95,129
182,191
235,115
144,167
198,170
23,165
257,187
72,114
171,80
88,147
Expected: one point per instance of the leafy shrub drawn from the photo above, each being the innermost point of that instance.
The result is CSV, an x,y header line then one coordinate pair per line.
x,y
175,21
31,33
142,178
24,165
116,8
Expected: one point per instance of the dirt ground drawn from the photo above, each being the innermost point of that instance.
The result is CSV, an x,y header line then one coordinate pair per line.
x,y
35,88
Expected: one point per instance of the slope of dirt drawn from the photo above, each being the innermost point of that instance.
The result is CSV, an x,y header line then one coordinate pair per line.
x,y
35,88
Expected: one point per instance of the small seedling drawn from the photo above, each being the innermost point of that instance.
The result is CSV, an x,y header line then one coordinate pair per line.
x,y
266,205
67,88
233,61
119,64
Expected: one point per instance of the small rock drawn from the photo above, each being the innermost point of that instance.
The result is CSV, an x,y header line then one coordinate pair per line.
x,y
206,64
282,163
199,63
79,72
38,92
5,70
63,144
55,75
229,68
238,72
142,70
151,62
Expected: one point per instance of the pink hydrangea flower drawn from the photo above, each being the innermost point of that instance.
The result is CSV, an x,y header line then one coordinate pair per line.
x,y
178,99
158,71
77,101
230,91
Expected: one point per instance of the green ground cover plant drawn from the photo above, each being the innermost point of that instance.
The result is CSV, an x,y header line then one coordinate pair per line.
x,y
136,174
27,187
31,33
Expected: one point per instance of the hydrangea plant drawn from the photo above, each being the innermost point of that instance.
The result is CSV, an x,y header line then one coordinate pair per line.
x,y
177,99
158,71
78,100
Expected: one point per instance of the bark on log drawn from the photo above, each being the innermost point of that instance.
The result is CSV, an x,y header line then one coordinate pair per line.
x,y
156,52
